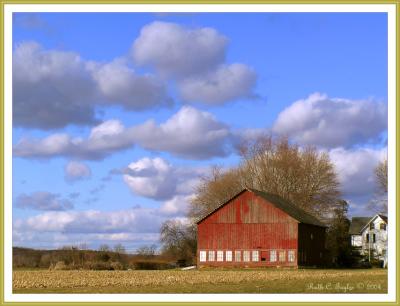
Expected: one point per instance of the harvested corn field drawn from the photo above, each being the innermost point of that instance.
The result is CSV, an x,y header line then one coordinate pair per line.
x,y
203,281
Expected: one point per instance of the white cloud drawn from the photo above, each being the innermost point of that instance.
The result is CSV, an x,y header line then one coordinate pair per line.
x,y
178,51
157,179
153,178
189,133
177,206
227,83
42,200
120,84
50,88
61,88
355,169
104,139
134,220
332,122
76,170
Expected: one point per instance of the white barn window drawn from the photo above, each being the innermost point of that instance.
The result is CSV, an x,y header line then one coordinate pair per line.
x,y
203,255
246,255
211,255
291,256
255,255
220,255
237,256
272,256
228,255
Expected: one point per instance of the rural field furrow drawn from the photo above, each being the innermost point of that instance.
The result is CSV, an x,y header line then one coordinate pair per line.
x,y
64,280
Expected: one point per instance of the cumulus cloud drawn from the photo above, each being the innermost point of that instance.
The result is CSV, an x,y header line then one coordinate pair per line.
x,y
50,88
332,122
177,206
227,83
159,180
76,171
355,169
61,88
104,139
120,84
43,200
151,178
174,50
134,220
189,133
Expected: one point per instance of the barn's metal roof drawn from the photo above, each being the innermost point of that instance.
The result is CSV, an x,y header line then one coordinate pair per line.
x,y
357,223
292,210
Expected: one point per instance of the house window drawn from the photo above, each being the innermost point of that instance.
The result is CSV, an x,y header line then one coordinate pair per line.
x,y
237,256
246,255
371,225
367,238
272,256
203,255
383,226
291,255
211,255
282,255
373,238
220,255
255,255
228,255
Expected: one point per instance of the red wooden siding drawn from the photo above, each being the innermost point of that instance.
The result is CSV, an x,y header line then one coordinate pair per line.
x,y
249,222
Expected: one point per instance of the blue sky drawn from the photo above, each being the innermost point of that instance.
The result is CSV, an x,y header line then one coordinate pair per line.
x,y
116,115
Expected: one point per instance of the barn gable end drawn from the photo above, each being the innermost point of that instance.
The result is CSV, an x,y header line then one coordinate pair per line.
x,y
260,224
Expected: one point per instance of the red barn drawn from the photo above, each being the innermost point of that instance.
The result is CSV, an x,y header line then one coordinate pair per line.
x,y
256,229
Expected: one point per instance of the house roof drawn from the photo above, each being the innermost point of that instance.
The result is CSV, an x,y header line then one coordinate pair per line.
x,y
292,210
383,217
357,223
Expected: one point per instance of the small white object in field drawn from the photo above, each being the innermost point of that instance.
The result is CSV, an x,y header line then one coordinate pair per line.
x,y
189,268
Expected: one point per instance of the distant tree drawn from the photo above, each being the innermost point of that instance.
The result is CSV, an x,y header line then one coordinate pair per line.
x,y
147,251
83,246
179,240
338,242
381,173
119,248
104,248
380,200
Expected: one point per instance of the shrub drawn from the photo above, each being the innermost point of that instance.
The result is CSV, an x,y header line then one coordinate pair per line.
x,y
115,265
151,265
60,265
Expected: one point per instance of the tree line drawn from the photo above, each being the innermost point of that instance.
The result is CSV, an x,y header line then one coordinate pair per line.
x,y
304,176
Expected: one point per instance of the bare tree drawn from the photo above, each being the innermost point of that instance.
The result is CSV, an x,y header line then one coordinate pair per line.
x,y
302,176
214,190
381,173
104,248
147,251
119,248
178,239
380,200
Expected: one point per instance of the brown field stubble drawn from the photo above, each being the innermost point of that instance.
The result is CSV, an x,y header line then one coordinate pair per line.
x,y
203,281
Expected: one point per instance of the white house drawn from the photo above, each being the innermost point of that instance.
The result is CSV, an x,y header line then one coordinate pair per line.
x,y
369,235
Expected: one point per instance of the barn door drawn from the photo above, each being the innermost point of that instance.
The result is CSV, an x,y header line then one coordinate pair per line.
x,y
264,256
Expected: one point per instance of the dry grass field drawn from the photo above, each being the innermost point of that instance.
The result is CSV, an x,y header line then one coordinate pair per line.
x,y
203,281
